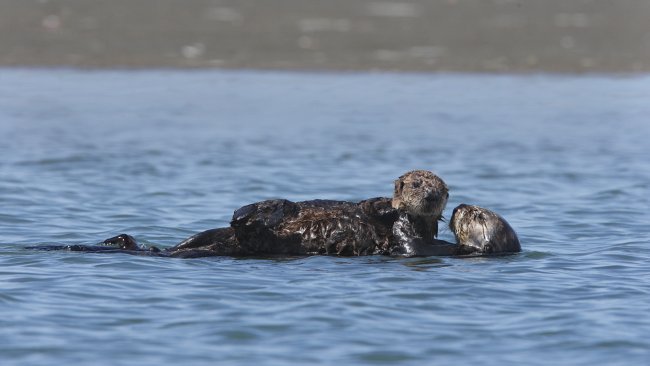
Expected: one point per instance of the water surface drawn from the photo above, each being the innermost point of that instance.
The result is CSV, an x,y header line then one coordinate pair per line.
x,y
162,155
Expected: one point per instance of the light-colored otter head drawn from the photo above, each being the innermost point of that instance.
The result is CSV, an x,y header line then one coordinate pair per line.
x,y
480,230
420,193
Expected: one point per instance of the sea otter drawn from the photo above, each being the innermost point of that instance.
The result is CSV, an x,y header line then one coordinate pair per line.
x,y
481,231
401,225
478,231
404,225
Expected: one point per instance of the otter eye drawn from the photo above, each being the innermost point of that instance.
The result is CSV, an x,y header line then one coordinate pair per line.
x,y
401,185
416,184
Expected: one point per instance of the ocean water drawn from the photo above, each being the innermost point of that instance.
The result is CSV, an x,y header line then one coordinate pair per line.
x,y
164,154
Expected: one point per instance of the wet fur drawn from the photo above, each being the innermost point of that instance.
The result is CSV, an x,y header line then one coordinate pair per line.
x,y
480,230
421,193
313,227
397,226
405,225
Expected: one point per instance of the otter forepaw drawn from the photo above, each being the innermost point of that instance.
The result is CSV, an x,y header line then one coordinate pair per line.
x,y
122,241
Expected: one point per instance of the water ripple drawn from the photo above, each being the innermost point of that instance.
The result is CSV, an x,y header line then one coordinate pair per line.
x,y
86,162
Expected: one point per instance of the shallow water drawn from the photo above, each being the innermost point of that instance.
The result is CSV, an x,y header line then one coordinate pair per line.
x,y
162,155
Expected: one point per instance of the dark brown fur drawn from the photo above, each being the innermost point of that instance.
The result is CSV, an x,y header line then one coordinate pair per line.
x,y
406,224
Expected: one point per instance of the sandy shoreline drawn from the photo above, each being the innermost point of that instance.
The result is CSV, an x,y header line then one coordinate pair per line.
x,y
441,35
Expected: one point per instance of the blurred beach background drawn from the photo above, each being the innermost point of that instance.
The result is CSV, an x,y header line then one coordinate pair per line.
x,y
564,36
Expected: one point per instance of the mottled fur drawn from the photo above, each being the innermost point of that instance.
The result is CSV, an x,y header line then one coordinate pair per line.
x,y
420,193
347,228
405,224
479,230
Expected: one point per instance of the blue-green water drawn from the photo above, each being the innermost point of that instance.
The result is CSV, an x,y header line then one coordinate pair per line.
x,y
162,155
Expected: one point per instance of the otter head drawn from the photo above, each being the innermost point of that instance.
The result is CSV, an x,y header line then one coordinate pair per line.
x,y
479,230
420,193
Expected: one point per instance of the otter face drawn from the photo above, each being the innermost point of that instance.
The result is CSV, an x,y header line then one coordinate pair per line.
x,y
480,230
420,193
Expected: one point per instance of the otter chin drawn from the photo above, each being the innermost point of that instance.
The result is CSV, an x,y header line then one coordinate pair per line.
x,y
479,230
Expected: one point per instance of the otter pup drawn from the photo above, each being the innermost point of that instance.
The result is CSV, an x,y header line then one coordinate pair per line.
x,y
405,224
390,226
419,198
